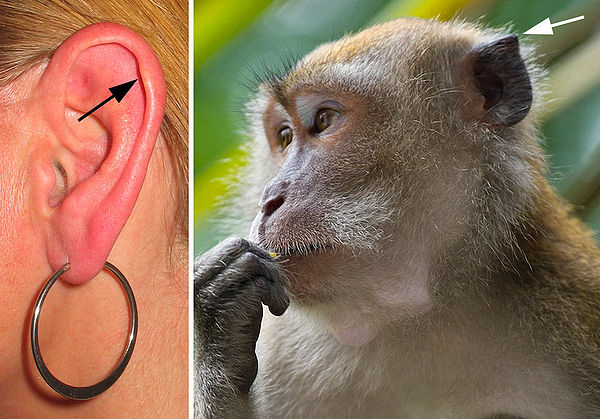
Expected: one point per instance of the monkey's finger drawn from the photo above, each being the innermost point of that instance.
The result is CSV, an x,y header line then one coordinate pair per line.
x,y
274,296
269,278
260,251
250,265
246,268
213,262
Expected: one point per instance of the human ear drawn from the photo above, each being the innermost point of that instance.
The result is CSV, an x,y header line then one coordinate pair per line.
x,y
88,173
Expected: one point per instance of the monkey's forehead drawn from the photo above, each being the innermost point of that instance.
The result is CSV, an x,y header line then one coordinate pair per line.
x,y
399,35
408,43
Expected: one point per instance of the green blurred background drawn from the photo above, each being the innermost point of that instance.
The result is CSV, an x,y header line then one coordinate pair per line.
x,y
235,40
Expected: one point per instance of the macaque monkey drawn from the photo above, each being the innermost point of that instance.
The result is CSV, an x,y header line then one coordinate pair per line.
x,y
405,218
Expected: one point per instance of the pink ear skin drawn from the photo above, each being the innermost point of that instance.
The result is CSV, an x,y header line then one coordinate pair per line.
x,y
106,155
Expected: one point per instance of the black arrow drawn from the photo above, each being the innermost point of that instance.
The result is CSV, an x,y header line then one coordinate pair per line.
x,y
118,92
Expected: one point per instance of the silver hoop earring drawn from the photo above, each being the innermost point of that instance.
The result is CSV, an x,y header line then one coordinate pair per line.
x,y
83,393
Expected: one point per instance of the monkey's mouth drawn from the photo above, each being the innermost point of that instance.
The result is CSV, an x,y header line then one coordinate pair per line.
x,y
301,249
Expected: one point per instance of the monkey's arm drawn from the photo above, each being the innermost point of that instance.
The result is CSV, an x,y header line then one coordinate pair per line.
x,y
230,282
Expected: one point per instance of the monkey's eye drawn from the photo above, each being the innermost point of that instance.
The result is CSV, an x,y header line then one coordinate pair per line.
x,y
284,137
324,118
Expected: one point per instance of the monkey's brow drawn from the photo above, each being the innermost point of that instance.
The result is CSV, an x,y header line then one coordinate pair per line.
x,y
277,86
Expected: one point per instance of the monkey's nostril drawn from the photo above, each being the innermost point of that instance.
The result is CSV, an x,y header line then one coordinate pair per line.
x,y
271,205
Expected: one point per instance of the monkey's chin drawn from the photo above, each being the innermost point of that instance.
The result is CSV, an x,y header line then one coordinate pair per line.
x,y
309,275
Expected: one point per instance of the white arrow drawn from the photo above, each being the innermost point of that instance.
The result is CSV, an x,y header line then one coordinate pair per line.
x,y
545,27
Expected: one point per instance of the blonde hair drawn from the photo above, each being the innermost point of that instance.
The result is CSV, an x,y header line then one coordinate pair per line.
x,y
31,30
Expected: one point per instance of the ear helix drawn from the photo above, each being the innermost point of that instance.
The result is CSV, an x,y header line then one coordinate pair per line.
x,y
502,78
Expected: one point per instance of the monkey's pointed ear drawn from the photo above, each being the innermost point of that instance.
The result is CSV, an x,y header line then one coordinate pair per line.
x,y
499,75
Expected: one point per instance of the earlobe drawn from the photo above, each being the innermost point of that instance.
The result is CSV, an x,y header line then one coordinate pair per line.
x,y
96,168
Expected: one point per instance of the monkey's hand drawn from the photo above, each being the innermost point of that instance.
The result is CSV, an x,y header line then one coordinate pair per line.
x,y
230,282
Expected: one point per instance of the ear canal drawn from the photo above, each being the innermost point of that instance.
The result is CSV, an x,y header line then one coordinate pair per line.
x,y
501,77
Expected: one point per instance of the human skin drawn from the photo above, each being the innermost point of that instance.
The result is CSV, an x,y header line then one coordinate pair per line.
x,y
83,327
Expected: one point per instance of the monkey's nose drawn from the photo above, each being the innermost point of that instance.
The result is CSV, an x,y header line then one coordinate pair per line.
x,y
271,205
